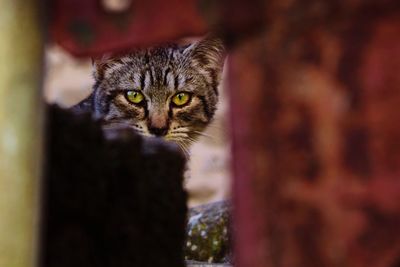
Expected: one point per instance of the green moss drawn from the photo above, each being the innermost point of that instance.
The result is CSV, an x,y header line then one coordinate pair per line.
x,y
208,238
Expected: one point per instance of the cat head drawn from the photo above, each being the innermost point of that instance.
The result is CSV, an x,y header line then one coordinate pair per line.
x,y
167,91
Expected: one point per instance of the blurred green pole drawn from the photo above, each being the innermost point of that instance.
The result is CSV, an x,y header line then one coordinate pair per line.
x,y
21,47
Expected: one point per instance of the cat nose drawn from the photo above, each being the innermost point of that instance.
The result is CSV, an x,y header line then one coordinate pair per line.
x,y
158,131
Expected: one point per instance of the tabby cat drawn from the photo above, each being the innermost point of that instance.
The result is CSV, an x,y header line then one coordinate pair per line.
x,y
167,91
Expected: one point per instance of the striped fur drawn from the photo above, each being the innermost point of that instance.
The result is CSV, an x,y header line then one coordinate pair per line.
x,y
159,73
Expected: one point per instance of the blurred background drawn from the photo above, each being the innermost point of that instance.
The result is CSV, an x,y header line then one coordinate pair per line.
x,y
314,93
69,80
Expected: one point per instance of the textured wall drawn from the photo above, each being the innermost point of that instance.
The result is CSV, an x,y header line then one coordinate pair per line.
x,y
316,149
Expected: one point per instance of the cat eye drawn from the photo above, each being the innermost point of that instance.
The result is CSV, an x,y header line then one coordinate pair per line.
x,y
134,97
181,99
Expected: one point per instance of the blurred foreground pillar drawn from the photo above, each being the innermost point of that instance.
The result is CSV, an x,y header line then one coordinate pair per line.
x,y
315,104
20,130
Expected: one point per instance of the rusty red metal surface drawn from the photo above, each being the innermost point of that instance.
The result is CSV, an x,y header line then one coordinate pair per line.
x,y
316,138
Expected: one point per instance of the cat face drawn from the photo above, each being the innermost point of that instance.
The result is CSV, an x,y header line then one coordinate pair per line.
x,y
169,92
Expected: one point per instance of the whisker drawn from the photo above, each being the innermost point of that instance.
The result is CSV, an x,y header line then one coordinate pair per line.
x,y
181,130
204,134
182,139
183,136
184,132
191,140
200,133
178,135
184,149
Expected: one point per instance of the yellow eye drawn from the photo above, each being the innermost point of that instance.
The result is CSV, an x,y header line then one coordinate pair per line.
x,y
180,99
134,97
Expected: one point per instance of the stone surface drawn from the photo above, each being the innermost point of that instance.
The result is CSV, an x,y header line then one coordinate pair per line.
x,y
209,236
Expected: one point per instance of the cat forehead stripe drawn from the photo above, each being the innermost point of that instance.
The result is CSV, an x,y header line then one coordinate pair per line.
x,y
147,79
165,79
136,80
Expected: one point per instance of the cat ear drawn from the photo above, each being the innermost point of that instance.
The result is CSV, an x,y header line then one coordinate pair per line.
x,y
100,65
208,53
